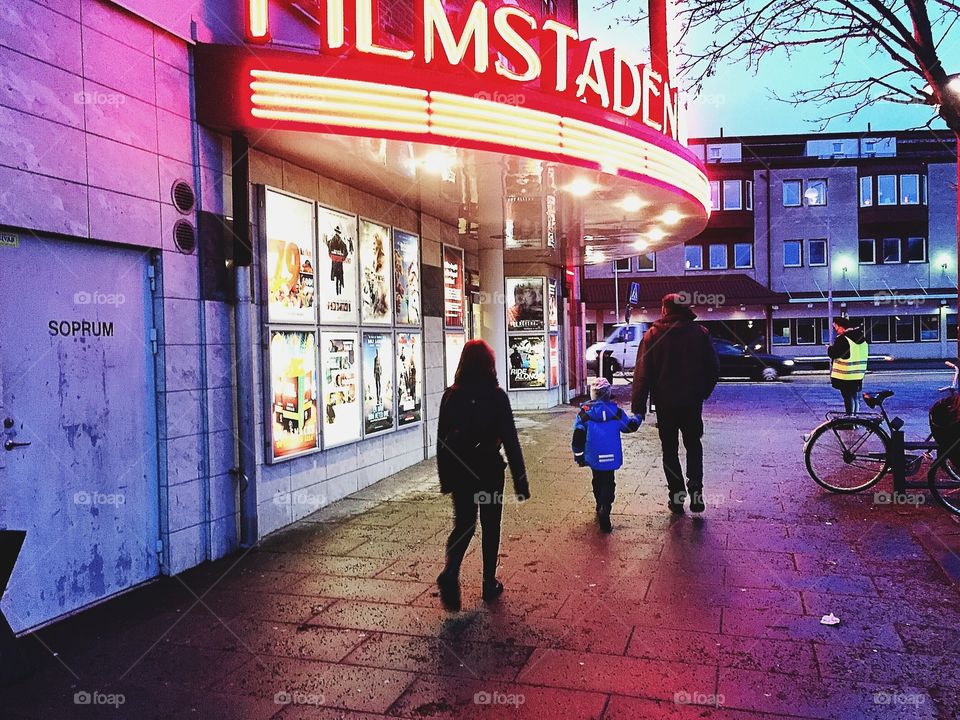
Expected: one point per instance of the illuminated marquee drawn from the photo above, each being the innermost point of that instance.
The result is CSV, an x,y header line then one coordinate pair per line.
x,y
508,45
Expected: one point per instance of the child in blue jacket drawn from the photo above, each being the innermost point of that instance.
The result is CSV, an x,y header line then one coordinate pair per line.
x,y
596,442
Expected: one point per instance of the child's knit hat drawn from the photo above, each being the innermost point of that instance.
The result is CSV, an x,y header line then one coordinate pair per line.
x,y
600,390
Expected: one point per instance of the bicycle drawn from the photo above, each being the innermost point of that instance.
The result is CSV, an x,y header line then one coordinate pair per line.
x,y
850,453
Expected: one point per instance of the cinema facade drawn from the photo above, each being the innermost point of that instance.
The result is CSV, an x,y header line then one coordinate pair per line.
x,y
243,244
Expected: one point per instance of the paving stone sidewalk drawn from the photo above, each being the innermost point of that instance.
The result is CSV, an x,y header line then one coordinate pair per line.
x,y
668,617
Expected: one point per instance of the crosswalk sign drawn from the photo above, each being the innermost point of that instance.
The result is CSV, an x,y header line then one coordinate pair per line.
x,y
634,293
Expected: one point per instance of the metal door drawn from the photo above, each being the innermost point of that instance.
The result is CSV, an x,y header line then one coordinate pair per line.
x,y
78,451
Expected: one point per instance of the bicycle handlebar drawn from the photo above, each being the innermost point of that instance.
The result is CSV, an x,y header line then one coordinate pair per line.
x,y
956,374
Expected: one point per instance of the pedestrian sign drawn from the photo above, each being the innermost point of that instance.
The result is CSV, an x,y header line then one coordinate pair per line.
x,y
634,293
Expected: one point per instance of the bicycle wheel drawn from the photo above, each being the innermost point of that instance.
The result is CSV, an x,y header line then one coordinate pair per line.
x,y
847,455
944,482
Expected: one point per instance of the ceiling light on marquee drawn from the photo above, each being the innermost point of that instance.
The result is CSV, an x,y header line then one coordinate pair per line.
x,y
580,187
632,203
656,234
671,217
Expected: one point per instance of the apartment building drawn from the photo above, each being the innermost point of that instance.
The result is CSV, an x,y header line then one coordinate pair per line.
x,y
863,224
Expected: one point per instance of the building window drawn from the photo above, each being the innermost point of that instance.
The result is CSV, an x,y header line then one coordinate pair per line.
x,y
816,193
818,253
791,193
838,149
647,262
879,329
781,332
916,250
929,328
869,147
793,253
718,257
903,329
748,195
715,153
693,257
886,190
866,191
951,322
742,255
715,194
923,189
891,250
909,189
868,252
807,331
732,199
622,265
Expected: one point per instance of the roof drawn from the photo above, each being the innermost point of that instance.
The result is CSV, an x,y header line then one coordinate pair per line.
x,y
731,289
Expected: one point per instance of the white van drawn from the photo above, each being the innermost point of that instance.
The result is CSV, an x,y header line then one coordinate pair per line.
x,y
619,348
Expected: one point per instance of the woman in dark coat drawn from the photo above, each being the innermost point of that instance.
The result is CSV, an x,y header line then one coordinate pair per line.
x,y
475,422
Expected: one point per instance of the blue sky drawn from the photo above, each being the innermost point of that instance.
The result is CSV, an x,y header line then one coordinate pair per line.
x,y
741,103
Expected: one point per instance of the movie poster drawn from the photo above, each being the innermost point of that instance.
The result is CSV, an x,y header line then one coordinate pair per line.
x,y
524,301
337,283
453,346
527,362
406,274
554,342
293,393
291,265
453,287
340,375
375,271
378,397
553,305
409,378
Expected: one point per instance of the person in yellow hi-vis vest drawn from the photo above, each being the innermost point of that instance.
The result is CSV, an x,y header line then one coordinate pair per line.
x,y
849,356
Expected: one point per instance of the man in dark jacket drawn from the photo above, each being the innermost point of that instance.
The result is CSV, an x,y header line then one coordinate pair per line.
x,y
677,369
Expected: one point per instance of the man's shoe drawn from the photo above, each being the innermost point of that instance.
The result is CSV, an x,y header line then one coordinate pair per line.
x,y
603,518
449,591
492,589
696,502
675,508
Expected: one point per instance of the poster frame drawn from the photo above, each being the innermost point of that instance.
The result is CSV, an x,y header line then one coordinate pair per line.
x,y
393,252
267,393
396,379
262,191
391,312
463,300
446,356
546,367
356,280
388,331
508,300
355,333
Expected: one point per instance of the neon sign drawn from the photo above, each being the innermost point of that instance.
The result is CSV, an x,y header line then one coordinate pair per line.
x,y
508,45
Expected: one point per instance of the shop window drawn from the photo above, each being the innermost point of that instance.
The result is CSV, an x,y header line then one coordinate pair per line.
x,y
903,330
866,191
732,199
879,330
807,331
647,262
791,193
718,257
748,195
715,194
742,255
825,325
916,250
929,328
886,190
793,253
951,323
693,257
622,265
909,189
891,250
816,193
781,332
818,253
868,252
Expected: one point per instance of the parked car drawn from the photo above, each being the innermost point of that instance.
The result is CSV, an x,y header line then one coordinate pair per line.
x,y
739,361
619,348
